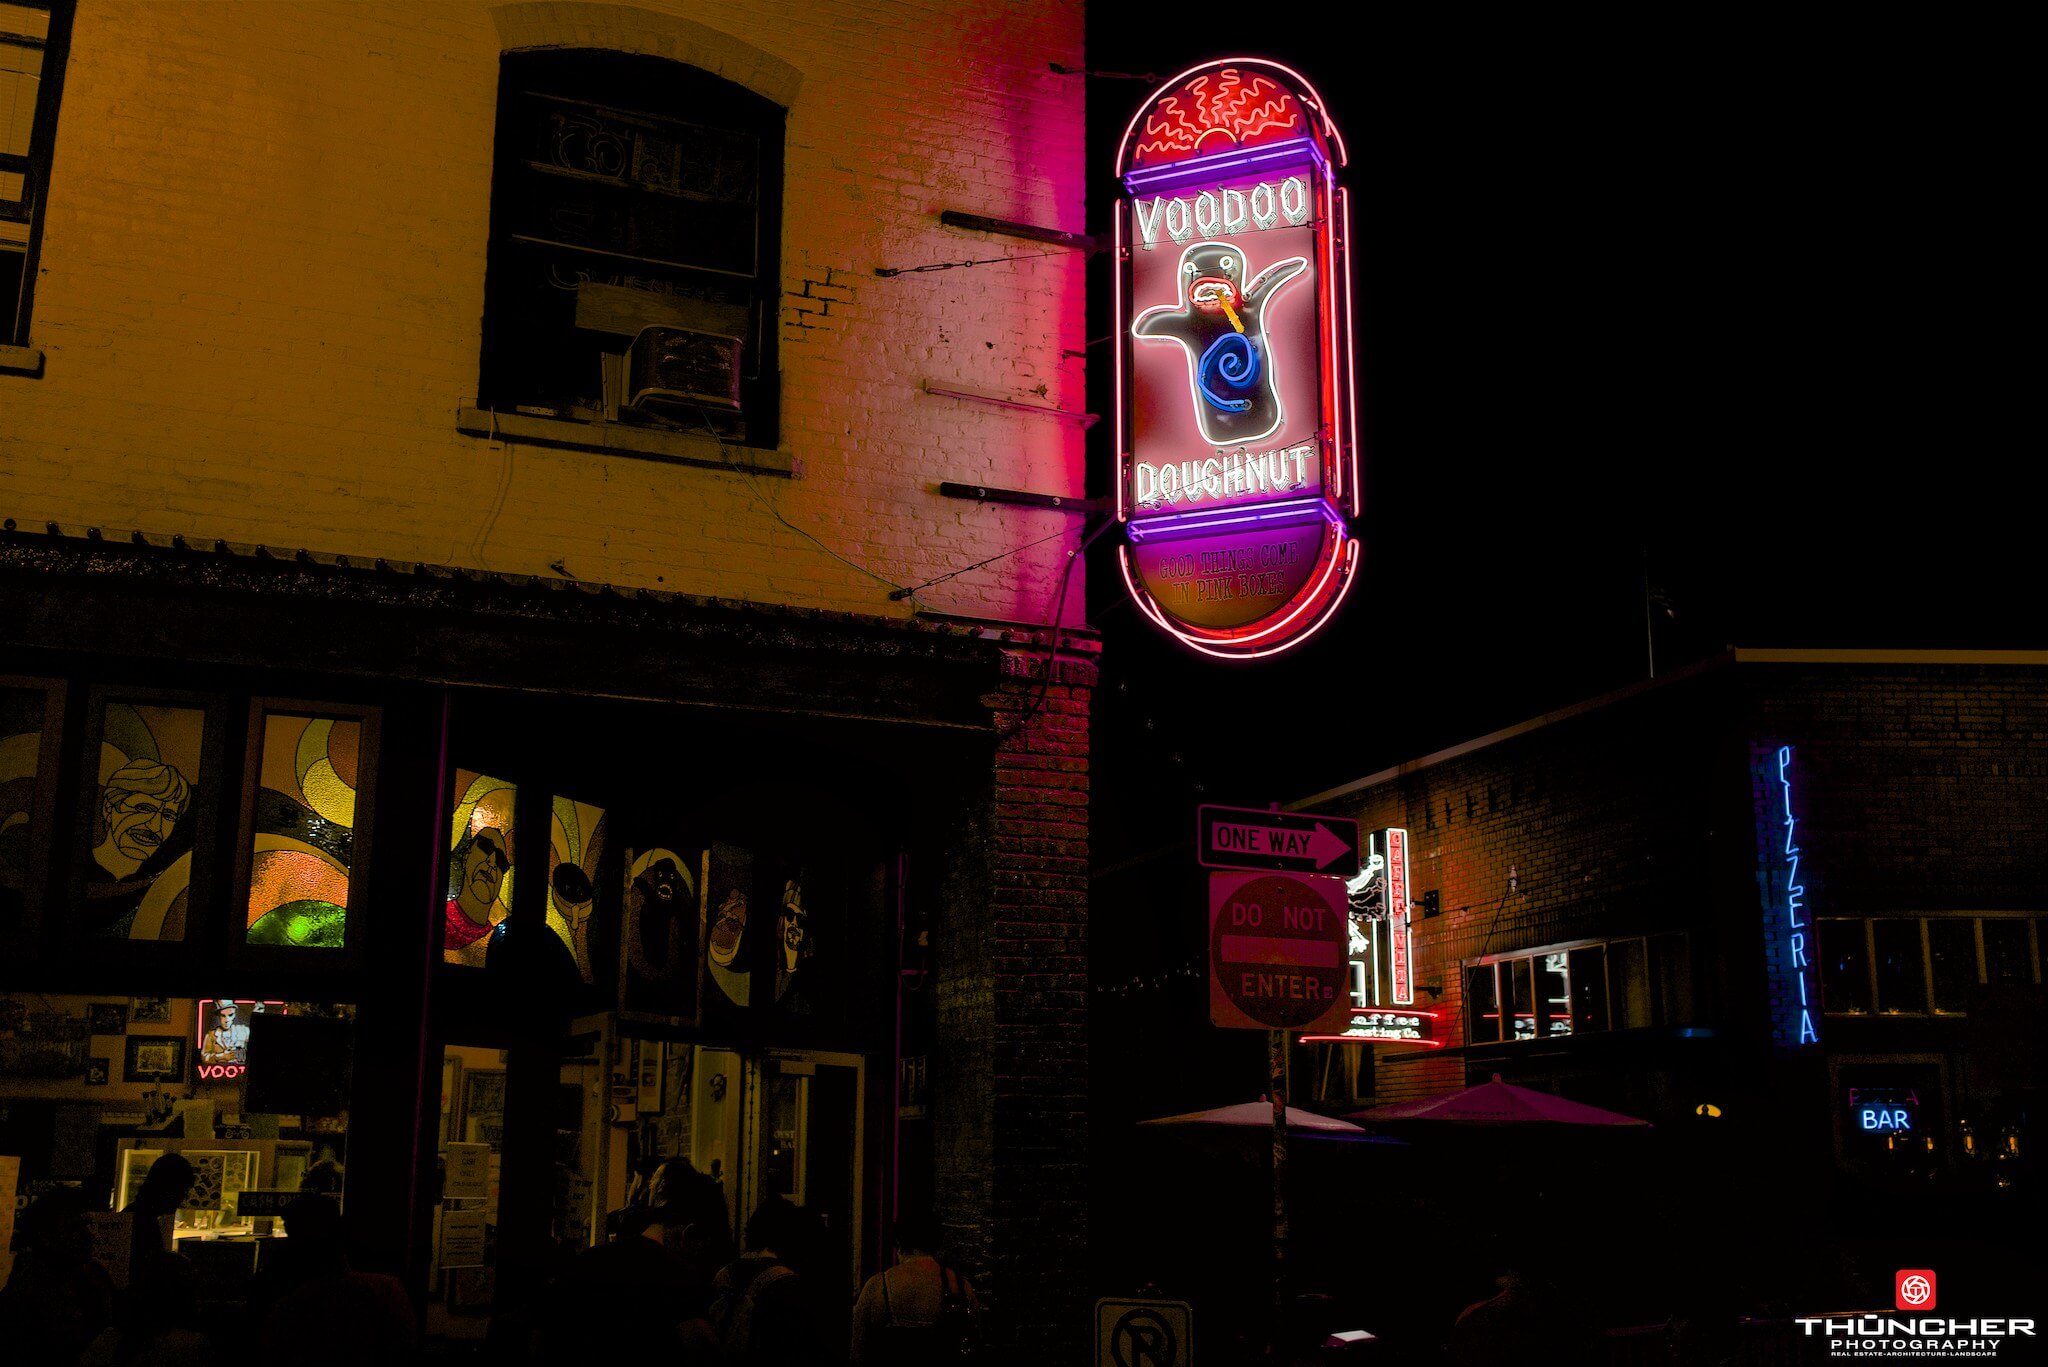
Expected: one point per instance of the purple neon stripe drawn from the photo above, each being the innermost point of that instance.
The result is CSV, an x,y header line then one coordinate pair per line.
x,y
1236,515
1240,509
1271,949
1221,164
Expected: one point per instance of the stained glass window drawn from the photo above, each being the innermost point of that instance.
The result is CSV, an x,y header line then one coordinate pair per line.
x,y
576,838
22,713
302,848
479,865
149,781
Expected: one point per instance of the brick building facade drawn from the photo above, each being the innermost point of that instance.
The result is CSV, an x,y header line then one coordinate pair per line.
x,y
1617,919
276,424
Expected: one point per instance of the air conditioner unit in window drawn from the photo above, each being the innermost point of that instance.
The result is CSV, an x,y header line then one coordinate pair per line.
x,y
686,377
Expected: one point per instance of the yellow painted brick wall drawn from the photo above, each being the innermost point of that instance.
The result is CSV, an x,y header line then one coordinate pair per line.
x,y
262,285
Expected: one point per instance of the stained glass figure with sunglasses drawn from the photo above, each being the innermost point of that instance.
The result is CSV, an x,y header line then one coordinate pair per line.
x,y
476,871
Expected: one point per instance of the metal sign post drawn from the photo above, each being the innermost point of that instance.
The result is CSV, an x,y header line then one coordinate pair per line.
x,y
1276,1066
1277,941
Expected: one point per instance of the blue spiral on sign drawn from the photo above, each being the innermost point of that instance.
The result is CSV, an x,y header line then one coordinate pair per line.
x,y
1232,364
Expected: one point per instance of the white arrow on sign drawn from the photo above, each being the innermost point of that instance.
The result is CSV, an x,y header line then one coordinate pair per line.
x,y
1322,844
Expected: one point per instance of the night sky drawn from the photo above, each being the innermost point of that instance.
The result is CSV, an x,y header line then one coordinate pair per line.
x,y
1735,304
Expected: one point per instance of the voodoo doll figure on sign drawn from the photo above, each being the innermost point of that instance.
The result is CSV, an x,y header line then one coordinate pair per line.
x,y
1219,322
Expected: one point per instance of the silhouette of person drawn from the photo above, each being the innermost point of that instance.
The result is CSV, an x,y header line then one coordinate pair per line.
x,y
897,1317
164,1188
334,1314
1526,1320
690,1209
623,1301
159,1321
57,1298
761,1317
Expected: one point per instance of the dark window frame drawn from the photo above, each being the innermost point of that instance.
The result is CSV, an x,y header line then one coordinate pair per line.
x,y
35,166
1664,960
1932,1000
663,100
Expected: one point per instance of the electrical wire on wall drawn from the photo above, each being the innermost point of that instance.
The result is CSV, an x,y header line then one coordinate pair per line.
x,y
900,592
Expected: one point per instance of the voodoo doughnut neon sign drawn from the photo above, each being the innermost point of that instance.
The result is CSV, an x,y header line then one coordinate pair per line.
x,y
1238,473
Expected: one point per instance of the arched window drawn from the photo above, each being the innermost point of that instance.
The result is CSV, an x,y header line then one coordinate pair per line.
x,y
636,209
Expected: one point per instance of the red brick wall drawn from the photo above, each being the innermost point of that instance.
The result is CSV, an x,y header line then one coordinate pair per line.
x,y
1921,788
1013,1011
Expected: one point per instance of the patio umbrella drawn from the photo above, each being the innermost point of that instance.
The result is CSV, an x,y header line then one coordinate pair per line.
x,y
1257,1117
1497,1103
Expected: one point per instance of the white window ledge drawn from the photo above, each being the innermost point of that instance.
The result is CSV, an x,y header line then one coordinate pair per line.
x,y
21,360
643,443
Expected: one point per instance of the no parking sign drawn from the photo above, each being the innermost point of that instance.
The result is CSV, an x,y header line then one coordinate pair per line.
x,y
1144,1333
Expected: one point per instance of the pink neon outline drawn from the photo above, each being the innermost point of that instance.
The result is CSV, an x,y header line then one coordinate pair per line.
x,y
1329,378
1256,512
1307,599
1404,934
1314,104
1369,1039
1344,461
1123,459
1394,1011
1351,364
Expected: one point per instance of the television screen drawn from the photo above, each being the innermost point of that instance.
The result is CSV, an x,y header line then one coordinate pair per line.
x,y
298,1065
223,1041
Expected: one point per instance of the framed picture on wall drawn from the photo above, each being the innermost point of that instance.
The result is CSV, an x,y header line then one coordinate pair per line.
x,y
451,1096
99,1072
149,1010
31,725
107,1018
45,1044
302,853
147,814
153,1058
483,1106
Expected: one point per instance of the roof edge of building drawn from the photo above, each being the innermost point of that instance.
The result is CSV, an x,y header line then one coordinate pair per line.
x,y
1734,655
1520,728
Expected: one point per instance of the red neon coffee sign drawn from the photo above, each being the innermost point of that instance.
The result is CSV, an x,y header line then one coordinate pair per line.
x,y
1237,456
